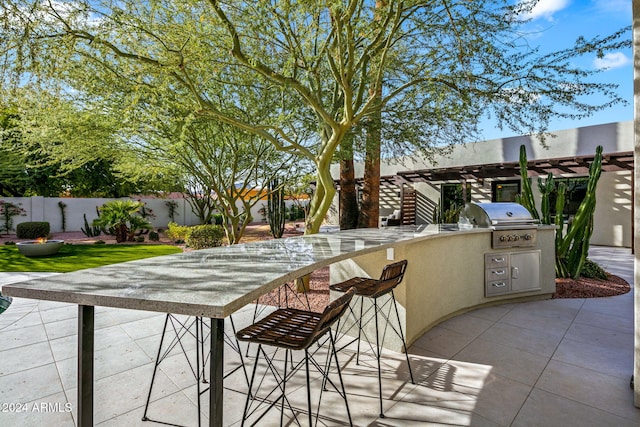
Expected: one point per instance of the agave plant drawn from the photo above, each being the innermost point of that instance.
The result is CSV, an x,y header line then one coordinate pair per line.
x,y
123,217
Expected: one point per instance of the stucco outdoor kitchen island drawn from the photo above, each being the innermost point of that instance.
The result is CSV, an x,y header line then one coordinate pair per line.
x,y
445,276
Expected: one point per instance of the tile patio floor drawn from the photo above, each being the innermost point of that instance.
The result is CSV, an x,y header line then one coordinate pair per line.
x,y
546,363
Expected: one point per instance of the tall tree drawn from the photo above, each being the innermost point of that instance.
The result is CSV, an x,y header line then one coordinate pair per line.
x,y
443,65
234,166
12,163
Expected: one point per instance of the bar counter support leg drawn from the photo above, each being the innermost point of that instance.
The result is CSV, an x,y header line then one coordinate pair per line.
x,y
216,375
85,365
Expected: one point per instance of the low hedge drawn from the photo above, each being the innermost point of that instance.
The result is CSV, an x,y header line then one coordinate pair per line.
x,y
205,236
33,230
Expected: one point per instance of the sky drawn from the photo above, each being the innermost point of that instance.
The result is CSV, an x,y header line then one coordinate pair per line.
x,y
556,24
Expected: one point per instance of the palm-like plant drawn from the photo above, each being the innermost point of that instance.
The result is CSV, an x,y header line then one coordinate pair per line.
x,y
123,217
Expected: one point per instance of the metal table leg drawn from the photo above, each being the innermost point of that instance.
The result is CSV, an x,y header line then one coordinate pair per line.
x,y
216,375
85,365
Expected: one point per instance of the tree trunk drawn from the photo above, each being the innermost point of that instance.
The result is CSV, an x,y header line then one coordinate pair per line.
x,y
370,208
120,231
348,195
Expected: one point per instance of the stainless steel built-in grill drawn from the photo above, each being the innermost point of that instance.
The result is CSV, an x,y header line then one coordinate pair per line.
x,y
512,224
511,270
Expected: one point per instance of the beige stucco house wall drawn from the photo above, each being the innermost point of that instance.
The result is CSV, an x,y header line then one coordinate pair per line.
x,y
613,216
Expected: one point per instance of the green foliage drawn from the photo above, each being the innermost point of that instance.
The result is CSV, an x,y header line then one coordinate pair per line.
x,y
296,212
571,248
154,236
123,216
205,236
33,230
178,232
218,219
592,270
301,87
9,210
450,216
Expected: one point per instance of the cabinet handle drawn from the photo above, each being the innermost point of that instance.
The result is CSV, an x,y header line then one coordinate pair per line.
x,y
499,272
497,259
499,285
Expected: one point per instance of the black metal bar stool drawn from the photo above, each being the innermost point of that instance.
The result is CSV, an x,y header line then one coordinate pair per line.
x,y
366,287
293,329
194,327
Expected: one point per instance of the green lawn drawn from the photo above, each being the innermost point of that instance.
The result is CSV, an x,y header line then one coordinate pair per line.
x,y
77,257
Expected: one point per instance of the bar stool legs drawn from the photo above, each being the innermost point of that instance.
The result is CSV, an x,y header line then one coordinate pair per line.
x,y
293,329
373,289
282,384
194,327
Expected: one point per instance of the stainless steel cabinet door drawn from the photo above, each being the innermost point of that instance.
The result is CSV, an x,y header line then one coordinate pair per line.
x,y
525,271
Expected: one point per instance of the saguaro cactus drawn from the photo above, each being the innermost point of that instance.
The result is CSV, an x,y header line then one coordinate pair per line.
x,y
571,248
276,209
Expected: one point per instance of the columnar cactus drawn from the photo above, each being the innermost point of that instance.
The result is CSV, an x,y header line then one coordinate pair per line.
x,y
526,197
276,209
571,248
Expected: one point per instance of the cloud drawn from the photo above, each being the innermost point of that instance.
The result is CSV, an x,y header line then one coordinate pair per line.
x,y
611,61
614,6
546,8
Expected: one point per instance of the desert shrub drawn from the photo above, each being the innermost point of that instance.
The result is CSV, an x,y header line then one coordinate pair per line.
x,y
33,230
9,242
217,219
124,217
592,270
154,236
140,239
205,236
178,232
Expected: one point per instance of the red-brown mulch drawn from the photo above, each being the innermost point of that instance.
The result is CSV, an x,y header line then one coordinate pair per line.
x,y
591,288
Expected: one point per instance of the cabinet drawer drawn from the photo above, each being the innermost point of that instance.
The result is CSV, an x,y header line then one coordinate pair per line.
x,y
496,260
497,287
499,273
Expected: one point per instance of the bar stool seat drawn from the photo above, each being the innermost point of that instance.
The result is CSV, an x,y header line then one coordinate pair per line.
x,y
294,329
365,287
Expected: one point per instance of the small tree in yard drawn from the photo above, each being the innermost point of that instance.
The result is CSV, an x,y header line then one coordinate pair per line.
x,y
123,217
7,211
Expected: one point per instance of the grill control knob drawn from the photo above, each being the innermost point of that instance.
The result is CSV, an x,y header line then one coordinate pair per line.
x,y
527,237
503,238
516,238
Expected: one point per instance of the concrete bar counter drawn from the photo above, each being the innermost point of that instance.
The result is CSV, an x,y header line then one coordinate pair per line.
x,y
445,276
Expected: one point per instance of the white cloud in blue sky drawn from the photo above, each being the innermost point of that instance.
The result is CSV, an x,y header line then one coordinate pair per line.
x,y
611,61
546,9
613,6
